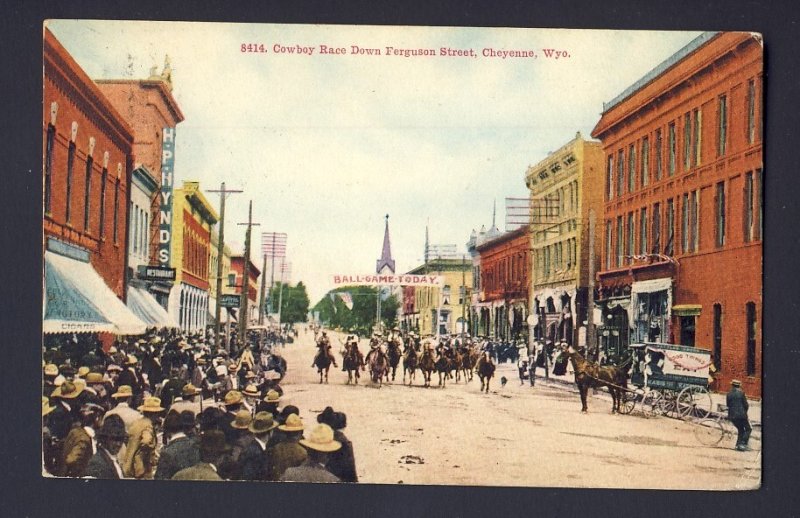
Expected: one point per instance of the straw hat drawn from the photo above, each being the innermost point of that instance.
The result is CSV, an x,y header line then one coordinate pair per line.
x,y
189,390
69,389
272,396
94,377
252,391
123,391
321,439
233,397
83,371
242,420
232,368
51,369
46,408
736,383
250,375
151,404
131,360
293,424
113,367
112,349
262,423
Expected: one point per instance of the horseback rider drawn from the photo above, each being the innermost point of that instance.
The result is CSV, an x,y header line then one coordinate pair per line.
x,y
324,346
350,344
374,346
488,350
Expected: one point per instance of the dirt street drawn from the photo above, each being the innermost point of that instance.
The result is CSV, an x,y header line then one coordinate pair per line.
x,y
513,436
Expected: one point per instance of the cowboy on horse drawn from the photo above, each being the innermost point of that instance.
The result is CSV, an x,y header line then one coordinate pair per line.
x,y
324,346
350,345
374,346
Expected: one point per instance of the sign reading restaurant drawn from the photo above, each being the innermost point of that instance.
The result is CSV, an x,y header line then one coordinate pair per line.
x,y
389,280
156,273
165,198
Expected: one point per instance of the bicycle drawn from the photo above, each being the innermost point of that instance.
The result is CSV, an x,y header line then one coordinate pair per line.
x,y
713,430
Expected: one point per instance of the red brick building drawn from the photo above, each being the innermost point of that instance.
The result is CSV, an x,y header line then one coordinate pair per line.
x,y
237,268
505,273
87,166
409,319
682,248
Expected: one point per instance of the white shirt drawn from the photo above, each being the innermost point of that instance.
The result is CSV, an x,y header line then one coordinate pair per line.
x,y
261,443
116,463
90,432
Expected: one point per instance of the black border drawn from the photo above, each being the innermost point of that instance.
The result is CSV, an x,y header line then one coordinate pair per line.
x,y
27,494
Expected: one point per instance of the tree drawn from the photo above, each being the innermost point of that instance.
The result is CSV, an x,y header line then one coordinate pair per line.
x,y
294,302
361,318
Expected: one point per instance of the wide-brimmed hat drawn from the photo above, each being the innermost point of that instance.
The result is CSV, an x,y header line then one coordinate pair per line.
x,y
321,439
131,360
69,389
233,397
262,423
113,427
94,377
293,424
272,397
213,442
250,375
46,408
113,367
51,369
151,404
123,391
232,367
83,371
736,383
242,420
112,349
189,390
251,390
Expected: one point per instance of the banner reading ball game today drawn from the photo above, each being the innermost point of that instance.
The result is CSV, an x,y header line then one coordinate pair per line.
x,y
433,281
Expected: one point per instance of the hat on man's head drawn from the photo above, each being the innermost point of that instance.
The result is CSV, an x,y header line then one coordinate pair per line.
x,y
46,408
189,390
272,397
113,427
131,360
69,389
123,391
233,397
251,390
736,383
293,423
152,405
94,378
262,423
51,369
83,371
321,439
242,420
212,442
326,416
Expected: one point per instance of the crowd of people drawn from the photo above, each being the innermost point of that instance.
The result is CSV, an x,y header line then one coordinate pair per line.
x,y
172,405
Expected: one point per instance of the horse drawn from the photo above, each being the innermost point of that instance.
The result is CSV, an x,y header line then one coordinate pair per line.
x,y
427,365
322,361
442,365
393,353
410,362
378,366
589,374
351,361
485,370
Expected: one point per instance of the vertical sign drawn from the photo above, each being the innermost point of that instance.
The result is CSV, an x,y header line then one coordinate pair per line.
x,y
165,210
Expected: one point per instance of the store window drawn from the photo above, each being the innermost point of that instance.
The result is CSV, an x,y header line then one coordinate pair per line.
x,y
103,179
687,324
87,193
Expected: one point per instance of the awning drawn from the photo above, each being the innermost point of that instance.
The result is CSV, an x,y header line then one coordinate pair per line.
x,y
147,308
687,310
651,286
77,300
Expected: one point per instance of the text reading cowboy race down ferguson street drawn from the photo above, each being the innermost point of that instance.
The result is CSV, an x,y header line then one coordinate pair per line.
x,y
356,50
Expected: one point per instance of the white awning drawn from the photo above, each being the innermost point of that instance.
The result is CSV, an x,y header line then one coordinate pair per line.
x,y
651,286
77,300
147,308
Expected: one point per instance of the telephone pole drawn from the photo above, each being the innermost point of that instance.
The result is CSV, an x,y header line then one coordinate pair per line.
x,y
245,277
220,254
263,285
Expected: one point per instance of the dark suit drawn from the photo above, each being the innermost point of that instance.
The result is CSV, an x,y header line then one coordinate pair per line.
x,y
255,463
101,465
342,462
179,454
737,413
172,389
134,380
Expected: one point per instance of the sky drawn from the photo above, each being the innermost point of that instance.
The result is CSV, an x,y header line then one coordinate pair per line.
x,y
327,145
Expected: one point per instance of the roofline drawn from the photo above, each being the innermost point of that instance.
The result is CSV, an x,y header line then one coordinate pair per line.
x,y
502,238
172,104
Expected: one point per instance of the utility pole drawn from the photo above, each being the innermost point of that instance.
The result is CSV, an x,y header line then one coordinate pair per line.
x,y
280,296
263,285
591,334
245,277
220,255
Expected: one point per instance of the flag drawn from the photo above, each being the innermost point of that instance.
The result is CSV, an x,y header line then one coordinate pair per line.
x,y
347,299
333,301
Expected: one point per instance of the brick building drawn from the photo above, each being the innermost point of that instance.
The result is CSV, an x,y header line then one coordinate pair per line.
x,y
564,191
86,183
682,249
237,274
446,304
504,281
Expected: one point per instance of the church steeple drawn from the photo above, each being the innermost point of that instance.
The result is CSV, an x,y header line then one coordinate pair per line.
x,y
386,261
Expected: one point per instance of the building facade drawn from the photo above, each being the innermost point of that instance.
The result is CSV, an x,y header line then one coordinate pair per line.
x,y
237,275
446,306
564,194
682,256
193,219
228,283
504,285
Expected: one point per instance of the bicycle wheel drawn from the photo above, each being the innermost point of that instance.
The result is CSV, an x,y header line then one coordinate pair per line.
x,y
694,402
652,403
709,432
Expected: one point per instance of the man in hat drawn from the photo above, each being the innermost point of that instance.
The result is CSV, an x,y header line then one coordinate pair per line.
x,y
140,452
324,347
180,451
737,414
288,453
187,400
50,375
233,403
132,377
172,387
231,467
67,409
123,397
251,396
96,385
342,462
270,403
79,445
256,461
212,450
110,438
318,445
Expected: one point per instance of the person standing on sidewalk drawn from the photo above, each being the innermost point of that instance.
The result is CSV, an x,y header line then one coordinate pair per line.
x,y
737,414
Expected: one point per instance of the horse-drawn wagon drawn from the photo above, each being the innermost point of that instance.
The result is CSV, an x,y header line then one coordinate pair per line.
x,y
670,379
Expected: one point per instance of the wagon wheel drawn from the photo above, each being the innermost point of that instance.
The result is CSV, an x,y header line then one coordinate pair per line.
x,y
651,403
628,401
694,402
668,405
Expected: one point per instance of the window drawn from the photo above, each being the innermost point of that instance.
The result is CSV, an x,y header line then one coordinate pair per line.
x,y
720,204
631,167
643,232
620,240
87,193
749,219
697,141
750,309
574,252
48,167
685,224
547,261
645,162
656,228
103,179
629,248
718,337
115,232
70,166
669,248
751,111
759,203
722,130
688,324
609,235
687,140
671,146
695,216
620,171
659,154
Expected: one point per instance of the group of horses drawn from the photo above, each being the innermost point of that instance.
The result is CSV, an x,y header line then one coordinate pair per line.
x,y
384,357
